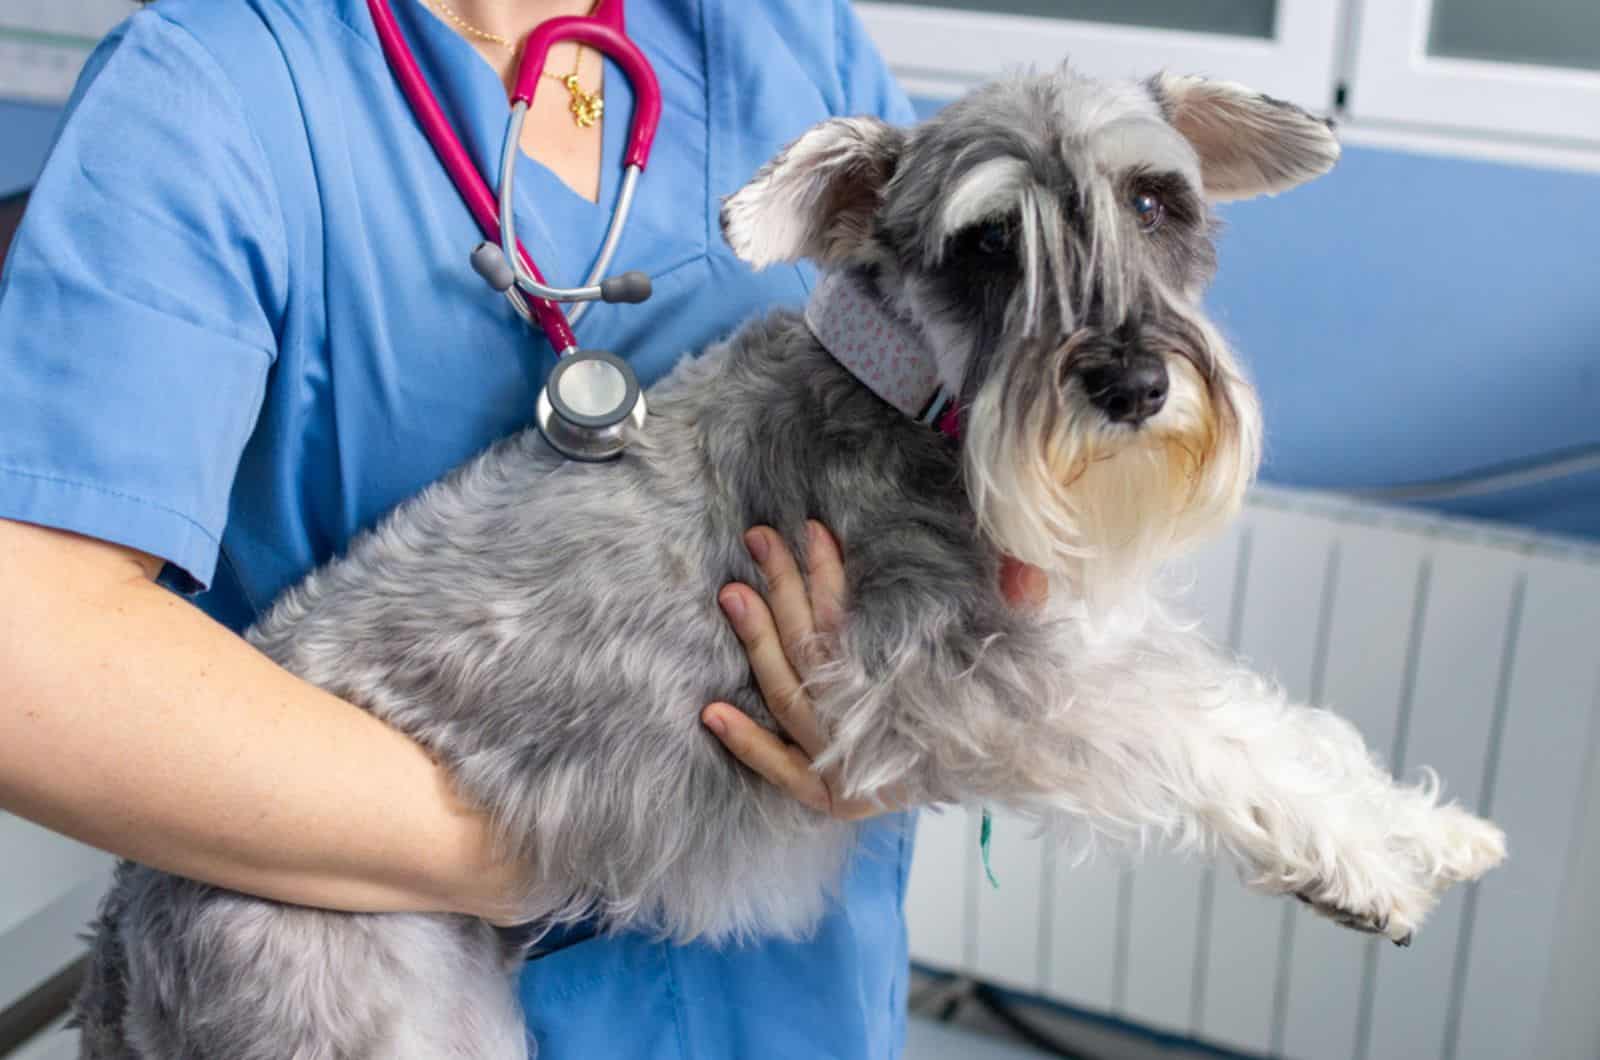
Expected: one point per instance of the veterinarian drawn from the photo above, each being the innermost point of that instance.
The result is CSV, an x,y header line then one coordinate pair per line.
x,y
239,324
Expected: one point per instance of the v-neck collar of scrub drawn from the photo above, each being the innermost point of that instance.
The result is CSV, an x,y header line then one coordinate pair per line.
x,y
475,102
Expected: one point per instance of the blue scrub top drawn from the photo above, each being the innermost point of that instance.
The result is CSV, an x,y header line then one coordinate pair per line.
x,y
239,323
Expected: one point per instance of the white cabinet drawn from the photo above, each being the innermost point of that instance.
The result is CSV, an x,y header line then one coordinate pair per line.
x,y
1528,69
43,43
1517,81
1283,47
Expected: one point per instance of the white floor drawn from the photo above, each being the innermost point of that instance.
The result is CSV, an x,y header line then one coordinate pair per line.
x,y
926,1040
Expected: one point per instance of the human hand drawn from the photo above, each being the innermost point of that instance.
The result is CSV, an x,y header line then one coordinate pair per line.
x,y
780,634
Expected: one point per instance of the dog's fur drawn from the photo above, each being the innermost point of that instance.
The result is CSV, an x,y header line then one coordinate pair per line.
x,y
549,630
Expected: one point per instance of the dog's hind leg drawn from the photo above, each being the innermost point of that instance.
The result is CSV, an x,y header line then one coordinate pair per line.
x,y
208,973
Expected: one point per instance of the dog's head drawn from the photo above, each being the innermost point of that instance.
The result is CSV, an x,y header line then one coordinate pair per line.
x,y
1051,236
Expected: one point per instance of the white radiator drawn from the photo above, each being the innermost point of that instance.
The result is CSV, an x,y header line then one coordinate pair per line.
x,y
1450,644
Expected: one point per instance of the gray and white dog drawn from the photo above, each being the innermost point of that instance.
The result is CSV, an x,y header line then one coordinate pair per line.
x,y
550,630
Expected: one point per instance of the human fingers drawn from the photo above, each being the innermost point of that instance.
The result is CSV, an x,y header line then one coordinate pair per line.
x,y
786,590
775,675
825,571
1023,585
782,764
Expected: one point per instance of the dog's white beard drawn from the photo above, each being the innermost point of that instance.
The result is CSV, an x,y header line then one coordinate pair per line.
x,y
1102,505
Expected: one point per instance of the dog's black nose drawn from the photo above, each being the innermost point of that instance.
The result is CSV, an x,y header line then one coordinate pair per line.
x,y
1128,390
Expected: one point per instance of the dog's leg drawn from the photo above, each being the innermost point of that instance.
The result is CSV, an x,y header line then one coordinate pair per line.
x,y
1165,735
193,971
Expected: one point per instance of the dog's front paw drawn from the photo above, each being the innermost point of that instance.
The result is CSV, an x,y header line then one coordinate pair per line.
x,y
1371,887
1396,915
1392,893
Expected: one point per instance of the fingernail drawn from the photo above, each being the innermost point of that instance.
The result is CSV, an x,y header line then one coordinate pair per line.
x,y
756,542
732,604
1023,585
715,723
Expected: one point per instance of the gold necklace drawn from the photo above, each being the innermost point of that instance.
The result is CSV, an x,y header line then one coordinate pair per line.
x,y
586,107
469,29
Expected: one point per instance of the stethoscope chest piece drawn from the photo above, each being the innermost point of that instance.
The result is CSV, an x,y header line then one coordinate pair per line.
x,y
590,401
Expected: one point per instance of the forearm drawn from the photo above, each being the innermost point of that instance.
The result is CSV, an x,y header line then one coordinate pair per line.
x,y
131,721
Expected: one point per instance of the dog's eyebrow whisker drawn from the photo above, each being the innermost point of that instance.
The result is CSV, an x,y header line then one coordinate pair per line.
x,y
989,189
1033,261
1040,257
1106,239
1054,238
1094,250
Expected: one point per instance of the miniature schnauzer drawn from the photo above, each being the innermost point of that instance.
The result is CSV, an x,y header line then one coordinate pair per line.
x,y
1025,268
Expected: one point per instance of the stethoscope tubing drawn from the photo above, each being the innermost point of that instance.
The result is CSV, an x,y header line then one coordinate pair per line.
x,y
603,31
590,290
453,156
608,249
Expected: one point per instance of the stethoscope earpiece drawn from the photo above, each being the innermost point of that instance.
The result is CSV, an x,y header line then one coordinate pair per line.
x,y
631,286
589,403
489,262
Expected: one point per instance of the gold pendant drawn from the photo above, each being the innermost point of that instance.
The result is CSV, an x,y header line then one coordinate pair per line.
x,y
586,107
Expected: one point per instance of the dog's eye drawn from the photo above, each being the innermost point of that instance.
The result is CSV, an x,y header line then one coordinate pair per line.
x,y
994,237
1148,209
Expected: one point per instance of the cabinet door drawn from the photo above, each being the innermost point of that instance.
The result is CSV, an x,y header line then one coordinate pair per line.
x,y
1529,69
43,43
1283,47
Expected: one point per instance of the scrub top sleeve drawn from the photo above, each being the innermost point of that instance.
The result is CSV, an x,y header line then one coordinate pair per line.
x,y
868,85
139,306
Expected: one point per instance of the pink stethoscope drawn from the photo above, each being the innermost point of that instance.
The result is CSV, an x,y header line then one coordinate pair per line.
x,y
592,397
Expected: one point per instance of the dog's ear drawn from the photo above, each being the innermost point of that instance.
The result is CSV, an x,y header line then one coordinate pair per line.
x,y
817,198
1249,144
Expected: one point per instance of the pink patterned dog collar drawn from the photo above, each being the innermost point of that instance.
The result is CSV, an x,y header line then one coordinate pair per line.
x,y
888,355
